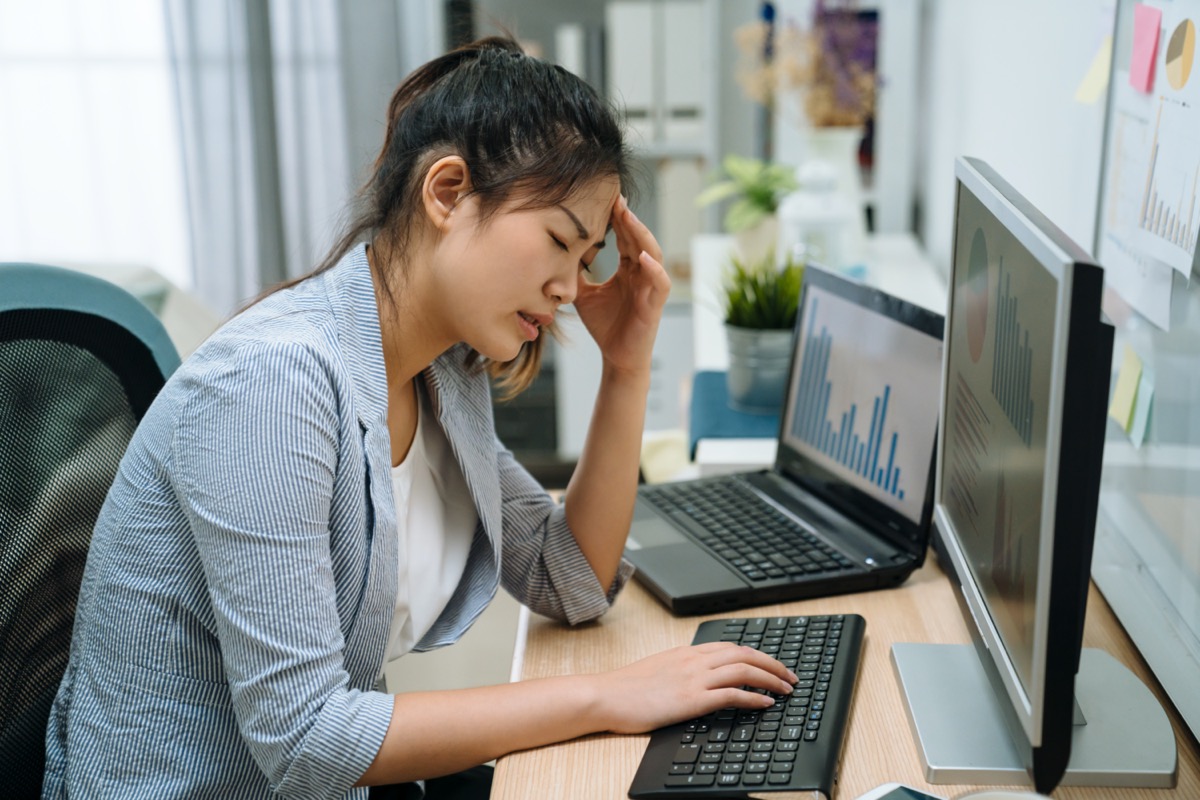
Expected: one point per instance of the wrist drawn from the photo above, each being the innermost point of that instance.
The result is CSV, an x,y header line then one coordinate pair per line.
x,y
594,705
634,378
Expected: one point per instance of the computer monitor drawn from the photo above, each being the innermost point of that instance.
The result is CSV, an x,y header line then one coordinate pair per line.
x,y
1024,394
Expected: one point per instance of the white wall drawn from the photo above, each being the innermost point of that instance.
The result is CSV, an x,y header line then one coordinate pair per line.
x,y
998,83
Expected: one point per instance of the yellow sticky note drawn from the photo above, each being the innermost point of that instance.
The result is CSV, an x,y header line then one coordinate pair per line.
x,y
1125,396
1092,87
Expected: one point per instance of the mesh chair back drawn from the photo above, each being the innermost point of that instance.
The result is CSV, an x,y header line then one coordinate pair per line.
x,y
73,385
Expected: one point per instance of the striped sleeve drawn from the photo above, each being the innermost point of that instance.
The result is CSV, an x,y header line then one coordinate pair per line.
x,y
255,456
541,563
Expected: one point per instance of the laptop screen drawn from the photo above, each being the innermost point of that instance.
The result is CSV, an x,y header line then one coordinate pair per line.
x,y
861,414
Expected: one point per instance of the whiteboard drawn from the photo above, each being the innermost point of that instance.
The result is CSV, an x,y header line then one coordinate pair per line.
x,y
1147,558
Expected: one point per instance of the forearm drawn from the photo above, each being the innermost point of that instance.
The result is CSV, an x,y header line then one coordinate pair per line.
x,y
603,488
438,733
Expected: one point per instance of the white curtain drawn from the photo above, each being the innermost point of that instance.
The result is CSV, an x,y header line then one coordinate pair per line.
x,y
281,107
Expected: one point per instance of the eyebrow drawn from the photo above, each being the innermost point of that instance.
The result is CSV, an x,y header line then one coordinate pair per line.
x,y
583,232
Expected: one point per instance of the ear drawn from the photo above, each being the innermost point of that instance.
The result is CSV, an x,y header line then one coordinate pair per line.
x,y
445,184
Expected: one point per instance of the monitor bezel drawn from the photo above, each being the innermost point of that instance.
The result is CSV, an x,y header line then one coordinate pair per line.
x,y
1041,715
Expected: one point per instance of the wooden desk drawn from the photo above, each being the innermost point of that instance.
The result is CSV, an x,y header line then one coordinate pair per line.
x,y
878,747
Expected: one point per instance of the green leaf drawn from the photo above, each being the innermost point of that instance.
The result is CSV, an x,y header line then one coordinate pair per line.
x,y
718,191
743,215
762,296
742,170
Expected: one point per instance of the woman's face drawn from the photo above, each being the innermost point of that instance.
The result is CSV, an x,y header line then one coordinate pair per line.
x,y
505,278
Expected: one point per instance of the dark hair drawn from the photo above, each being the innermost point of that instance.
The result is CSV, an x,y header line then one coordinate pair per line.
x,y
525,128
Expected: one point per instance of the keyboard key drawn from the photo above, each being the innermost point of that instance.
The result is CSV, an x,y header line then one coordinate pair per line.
x,y
687,754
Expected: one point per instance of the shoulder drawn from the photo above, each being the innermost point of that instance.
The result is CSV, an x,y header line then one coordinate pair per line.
x,y
296,328
277,364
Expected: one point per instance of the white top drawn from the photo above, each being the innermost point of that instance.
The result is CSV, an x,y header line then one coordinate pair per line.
x,y
435,523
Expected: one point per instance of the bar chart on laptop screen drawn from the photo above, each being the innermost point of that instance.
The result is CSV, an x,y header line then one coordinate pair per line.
x,y
860,407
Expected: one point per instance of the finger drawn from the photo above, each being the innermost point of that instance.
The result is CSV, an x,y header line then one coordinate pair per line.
x,y
620,209
633,236
748,655
748,675
658,273
626,245
629,244
729,650
640,234
737,698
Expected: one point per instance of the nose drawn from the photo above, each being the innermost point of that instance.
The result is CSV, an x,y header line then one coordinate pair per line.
x,y
563,288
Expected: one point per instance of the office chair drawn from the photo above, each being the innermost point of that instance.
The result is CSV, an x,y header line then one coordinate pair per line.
x,y
80,362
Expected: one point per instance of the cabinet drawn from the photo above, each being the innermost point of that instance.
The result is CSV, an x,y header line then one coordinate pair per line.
x,y
659,66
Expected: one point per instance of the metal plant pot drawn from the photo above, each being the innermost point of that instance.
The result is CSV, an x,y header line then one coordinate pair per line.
x,y
758,368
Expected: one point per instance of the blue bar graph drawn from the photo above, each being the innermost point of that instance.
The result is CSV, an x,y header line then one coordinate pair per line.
x,y
871,457
1013,362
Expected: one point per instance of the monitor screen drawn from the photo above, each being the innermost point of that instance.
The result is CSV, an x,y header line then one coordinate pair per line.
x,y
998,418
844,414
1024,386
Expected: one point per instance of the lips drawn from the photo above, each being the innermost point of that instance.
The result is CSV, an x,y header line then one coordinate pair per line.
x,y
541,320
529,326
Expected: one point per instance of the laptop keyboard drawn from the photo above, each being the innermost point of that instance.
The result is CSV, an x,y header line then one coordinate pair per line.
x,y
744,531
792,746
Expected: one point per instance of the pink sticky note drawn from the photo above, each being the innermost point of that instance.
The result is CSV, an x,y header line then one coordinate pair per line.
x,y
1146,22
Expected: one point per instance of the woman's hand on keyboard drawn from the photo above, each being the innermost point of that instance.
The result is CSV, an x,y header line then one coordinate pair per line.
x,y
686,682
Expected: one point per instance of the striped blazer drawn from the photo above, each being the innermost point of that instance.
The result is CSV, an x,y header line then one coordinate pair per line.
x,y
235,607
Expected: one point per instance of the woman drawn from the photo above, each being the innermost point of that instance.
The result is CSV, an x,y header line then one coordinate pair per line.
x,y
319,489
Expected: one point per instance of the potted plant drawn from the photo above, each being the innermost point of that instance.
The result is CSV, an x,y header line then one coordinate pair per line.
x,y
761,300
757,186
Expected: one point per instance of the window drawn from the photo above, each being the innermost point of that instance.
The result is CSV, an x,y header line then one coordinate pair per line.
x,y
89,155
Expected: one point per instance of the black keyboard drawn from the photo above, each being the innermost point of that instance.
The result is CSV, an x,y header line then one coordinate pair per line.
x,y
793,746
745,531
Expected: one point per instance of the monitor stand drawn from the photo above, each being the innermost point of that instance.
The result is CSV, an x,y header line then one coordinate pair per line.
x,y
961,738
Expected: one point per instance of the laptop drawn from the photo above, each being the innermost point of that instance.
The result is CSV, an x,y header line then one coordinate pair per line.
x,y
847,504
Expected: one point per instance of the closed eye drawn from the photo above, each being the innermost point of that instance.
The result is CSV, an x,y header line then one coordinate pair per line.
x,y
583,264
